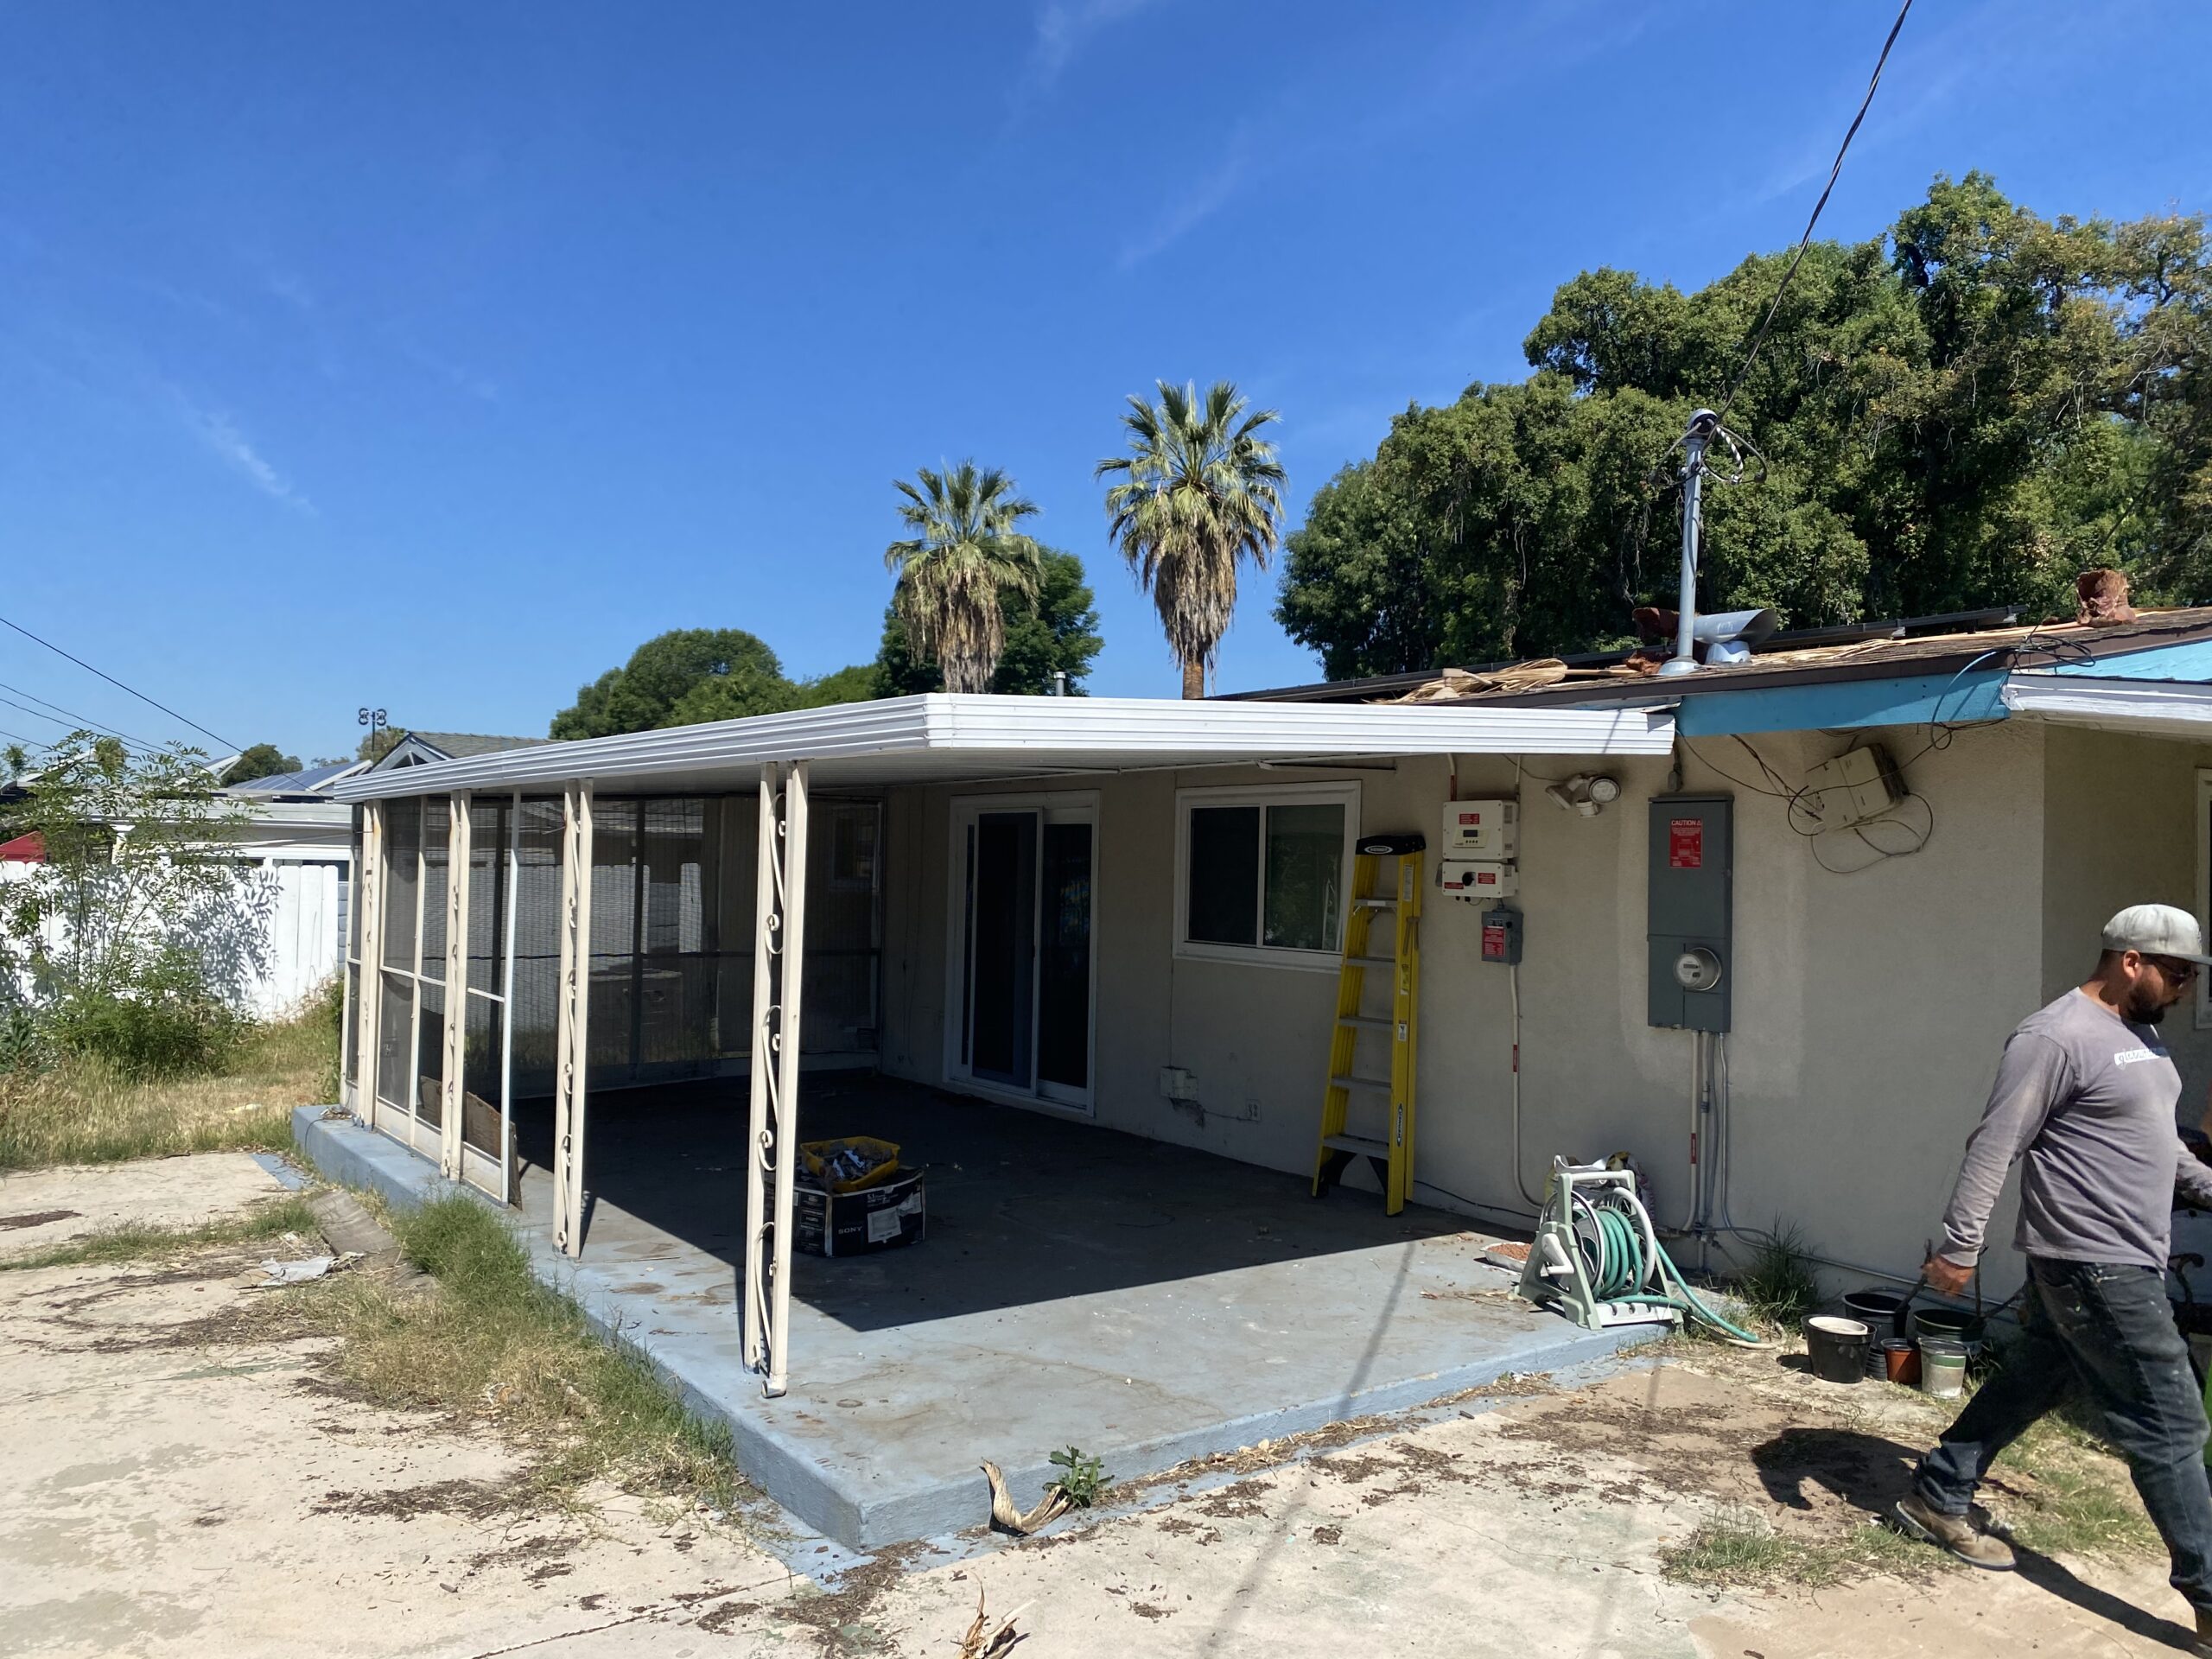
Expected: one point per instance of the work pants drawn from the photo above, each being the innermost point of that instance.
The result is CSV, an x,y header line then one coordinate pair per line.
x,y
2111,1328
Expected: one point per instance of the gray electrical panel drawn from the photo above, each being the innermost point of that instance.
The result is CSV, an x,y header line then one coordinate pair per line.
x,y
1692,850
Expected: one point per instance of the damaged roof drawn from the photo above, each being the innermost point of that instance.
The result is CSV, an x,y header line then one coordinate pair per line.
x,y
1926,646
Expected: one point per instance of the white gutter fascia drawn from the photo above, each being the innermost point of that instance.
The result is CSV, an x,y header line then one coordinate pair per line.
x,y
2181,707
1068,732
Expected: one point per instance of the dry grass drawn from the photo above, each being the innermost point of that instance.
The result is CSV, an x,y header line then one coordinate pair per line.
x,y
1743,1550
84,1111
139,1243
2077,1498
491,1344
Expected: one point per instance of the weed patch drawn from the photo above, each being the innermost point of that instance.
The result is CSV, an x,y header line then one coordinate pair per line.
x,y
492,1343
138,1243
83,1109
1743,1551
1780,1286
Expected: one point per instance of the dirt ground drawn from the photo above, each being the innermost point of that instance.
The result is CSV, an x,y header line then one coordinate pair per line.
x,y
179,1474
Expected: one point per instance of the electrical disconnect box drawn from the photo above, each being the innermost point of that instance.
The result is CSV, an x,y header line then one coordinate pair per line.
x,y
1859,783
1692,848
1490,831
1481,845
1501,936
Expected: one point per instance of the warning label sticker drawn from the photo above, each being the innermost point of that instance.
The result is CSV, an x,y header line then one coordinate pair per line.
x,y
1686,843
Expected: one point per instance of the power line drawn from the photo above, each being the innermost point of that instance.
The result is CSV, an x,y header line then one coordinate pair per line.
x,y
1805,241
119,685
61,716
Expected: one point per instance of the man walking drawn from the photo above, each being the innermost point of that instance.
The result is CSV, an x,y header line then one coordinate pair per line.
x,y
2084,1101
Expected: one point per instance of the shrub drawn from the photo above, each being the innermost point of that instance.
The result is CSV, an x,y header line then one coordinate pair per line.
x,y
166,1024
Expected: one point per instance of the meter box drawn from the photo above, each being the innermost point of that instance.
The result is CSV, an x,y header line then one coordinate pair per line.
x,y
1692,852
1501,936
1477,880
1489,831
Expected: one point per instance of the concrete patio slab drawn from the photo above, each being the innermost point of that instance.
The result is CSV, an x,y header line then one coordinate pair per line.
x,y
1147,1303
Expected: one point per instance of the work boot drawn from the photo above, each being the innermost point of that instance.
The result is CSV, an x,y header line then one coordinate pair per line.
x,y
1955,1533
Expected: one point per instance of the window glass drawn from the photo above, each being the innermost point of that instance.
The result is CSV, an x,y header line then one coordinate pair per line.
x,y
1224,874
1305,861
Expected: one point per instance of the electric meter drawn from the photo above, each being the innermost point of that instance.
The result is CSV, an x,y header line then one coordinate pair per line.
x,y
1698,970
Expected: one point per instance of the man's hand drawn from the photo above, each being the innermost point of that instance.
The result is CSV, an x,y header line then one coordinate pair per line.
x,y
1948,1277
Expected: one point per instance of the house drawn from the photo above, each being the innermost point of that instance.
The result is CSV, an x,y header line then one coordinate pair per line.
x,y
1122,921
300,842
414,748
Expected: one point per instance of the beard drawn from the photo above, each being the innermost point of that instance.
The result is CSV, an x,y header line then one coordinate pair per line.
x,y
2144,1009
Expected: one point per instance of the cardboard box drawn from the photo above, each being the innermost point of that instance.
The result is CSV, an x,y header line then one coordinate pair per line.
x,y
853,1223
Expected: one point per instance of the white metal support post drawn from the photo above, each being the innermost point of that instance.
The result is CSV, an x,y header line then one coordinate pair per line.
x,y
456,1022
572,1043
779,973
369,894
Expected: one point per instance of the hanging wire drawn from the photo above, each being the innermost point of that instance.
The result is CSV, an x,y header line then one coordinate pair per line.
x,y
118,684
1806,240
83,722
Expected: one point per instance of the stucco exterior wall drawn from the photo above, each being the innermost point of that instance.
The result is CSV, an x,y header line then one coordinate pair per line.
x,y
2120,828
1869,1008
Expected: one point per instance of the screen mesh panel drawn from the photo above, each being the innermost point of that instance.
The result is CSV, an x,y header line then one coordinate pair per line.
x,y
671,943
537,945
402,879
487,894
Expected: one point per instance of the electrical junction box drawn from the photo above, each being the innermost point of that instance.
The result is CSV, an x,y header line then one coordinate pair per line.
x,y
1489,831
1859,783
1501,936
1690,922
1475,880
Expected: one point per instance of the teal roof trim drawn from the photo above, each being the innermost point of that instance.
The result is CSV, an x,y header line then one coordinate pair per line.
x,y
2187,662
1832,705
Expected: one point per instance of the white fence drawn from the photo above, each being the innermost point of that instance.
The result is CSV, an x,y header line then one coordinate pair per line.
x,y
302,902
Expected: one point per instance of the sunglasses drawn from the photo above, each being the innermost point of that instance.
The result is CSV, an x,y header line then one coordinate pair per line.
x,y
2177,972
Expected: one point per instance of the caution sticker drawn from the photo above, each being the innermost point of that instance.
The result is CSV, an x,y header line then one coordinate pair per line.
x,y
1686,843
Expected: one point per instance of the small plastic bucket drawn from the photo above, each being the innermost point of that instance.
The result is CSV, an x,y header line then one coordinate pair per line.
x,y
1879,1311
1942,1367
1837,1348
1953,1323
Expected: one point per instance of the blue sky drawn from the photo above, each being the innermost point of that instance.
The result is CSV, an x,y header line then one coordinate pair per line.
x,y
434,356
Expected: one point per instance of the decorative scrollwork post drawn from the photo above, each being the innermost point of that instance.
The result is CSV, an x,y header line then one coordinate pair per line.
x,y
771,1142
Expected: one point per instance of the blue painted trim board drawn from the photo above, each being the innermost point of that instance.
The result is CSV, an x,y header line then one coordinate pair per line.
x,y
1837,704
2189,662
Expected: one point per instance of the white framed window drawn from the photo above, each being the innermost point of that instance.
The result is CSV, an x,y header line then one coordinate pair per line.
x,y
2204,887
1262,875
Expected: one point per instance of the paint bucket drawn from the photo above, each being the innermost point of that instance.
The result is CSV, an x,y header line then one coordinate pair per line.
x,y
1952,1325
1836,1348
1900,1358
1942,1367
1881,1311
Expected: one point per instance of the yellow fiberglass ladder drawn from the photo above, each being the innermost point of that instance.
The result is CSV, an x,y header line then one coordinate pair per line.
x,y
1391,1153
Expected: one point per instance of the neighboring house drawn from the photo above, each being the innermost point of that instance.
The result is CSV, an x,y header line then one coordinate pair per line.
x,y
420,748
300,841
1129,912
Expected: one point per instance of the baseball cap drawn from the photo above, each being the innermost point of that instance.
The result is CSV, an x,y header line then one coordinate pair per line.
x,y
2157,931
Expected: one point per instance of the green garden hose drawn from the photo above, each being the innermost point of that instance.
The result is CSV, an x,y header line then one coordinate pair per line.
x,y
1613,1256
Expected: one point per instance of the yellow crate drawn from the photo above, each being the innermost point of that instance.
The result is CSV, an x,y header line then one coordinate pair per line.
x,y
882,1156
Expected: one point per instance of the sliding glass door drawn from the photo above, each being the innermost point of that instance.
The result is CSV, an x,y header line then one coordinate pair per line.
x,y
1023,876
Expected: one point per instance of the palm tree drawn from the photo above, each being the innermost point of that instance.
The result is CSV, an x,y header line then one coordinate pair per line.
x,y
1197,491
966,552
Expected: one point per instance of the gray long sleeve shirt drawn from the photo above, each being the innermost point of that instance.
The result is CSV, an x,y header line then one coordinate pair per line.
x,y
2084,1102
